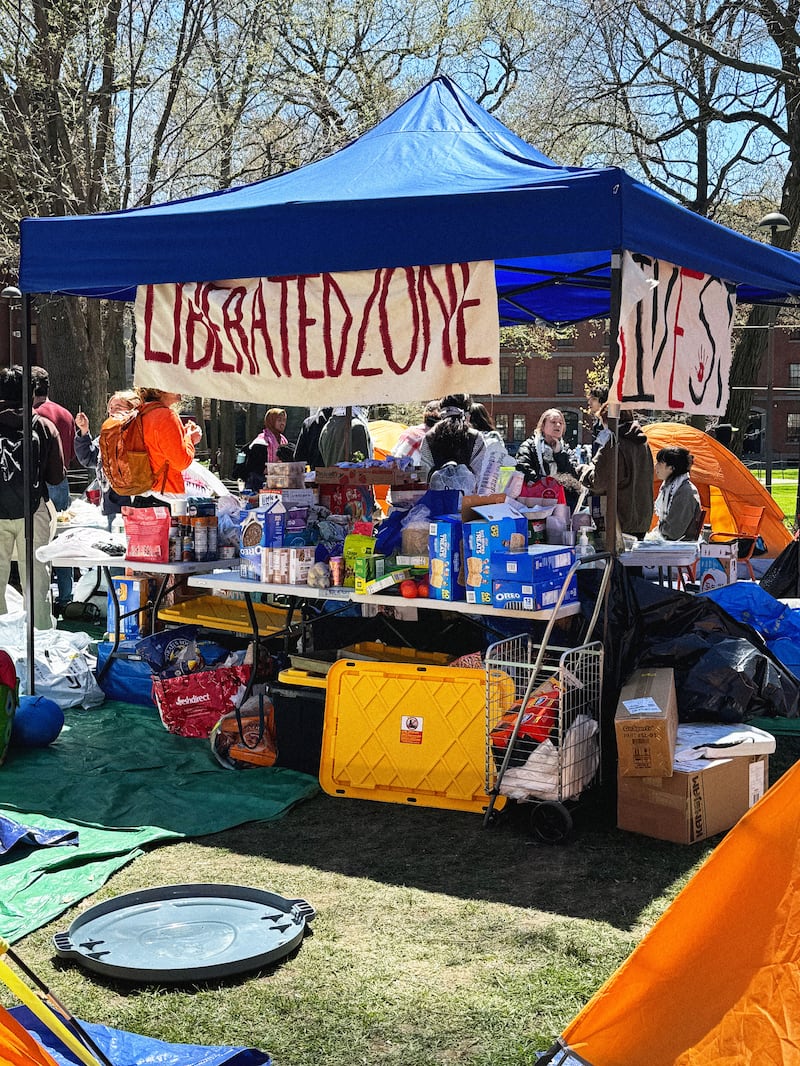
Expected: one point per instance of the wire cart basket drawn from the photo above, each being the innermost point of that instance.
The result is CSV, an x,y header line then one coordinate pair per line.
x,y
544,748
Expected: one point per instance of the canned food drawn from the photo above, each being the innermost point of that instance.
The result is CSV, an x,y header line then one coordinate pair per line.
x,y
336,563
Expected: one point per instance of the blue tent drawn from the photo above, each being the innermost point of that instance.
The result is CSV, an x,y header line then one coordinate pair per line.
x,y
440,180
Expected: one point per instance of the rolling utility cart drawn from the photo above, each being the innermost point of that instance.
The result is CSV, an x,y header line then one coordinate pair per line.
x,y
544,747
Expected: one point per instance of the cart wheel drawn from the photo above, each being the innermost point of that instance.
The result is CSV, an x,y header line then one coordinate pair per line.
x,y
551,822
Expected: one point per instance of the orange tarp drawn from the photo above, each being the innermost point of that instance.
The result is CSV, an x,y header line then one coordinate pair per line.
x,y
17,1046
723,481
716,982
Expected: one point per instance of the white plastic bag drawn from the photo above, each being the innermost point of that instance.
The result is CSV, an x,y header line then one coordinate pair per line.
x,y
64,668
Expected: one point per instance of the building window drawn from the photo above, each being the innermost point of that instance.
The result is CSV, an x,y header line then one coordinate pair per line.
x,y
505,378
565,342
521,379
571,427
501,425
564,386
794,334
794,375
793,428
520,431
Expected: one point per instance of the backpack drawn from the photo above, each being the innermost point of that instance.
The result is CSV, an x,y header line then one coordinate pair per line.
x,y
124,455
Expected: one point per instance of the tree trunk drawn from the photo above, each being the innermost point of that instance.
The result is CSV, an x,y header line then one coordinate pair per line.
x,y
68,332
744,373
227,438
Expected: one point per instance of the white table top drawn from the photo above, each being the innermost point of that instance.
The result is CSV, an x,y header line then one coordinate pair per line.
x,y
684,555
85,562
234,583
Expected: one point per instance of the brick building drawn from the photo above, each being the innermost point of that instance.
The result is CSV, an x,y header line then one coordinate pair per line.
x,y
529,386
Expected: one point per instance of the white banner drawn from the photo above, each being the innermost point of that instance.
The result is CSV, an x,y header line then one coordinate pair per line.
x,y
370,336
674,338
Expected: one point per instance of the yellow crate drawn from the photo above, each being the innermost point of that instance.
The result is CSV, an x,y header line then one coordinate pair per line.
x,y
374,651
292,676
218,612
406,733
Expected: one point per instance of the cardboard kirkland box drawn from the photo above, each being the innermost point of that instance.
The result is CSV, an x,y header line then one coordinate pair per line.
x,y
717,565
133,594
646,724
700,799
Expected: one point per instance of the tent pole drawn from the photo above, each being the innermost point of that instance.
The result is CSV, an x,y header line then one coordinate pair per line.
x,y
27,481
613,404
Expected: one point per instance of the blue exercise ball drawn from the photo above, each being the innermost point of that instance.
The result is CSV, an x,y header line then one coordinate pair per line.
x,y
37,723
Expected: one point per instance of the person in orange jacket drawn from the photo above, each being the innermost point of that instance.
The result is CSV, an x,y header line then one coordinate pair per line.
x,y
170,444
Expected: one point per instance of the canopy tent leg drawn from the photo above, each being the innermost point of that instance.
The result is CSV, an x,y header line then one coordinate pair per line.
x,y
27,481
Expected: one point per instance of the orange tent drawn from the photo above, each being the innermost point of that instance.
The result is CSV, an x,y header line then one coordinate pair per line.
x,y
17,1046
384,437
715,981
724,483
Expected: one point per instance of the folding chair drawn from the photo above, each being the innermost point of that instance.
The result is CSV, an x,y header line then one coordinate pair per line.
x,y
748,525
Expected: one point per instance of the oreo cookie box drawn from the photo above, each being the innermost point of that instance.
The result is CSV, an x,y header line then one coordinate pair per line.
x,y
262,528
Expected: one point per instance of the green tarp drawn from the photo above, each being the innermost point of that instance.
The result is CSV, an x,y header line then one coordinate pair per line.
x,y
124,782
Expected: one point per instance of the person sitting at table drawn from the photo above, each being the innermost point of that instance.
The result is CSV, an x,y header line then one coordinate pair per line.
x,y
677,505
264,448
87,451
545,454
453,441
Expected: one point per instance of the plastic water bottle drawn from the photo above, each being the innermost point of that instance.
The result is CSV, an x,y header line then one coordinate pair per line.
x,y
118,525
583,548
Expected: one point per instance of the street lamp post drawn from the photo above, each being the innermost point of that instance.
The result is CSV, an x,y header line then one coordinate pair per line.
x,y
776,223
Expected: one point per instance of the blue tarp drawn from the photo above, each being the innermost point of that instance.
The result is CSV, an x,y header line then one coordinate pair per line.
x,y
439,180
126,1049
777,623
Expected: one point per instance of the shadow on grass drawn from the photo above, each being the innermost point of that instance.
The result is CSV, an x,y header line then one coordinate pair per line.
x,y
600,873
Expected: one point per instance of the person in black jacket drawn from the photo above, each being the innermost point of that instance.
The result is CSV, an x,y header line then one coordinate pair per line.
x,y
48,469
545,454
307,448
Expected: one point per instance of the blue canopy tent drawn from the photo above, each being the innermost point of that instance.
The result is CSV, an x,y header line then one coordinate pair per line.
x,y
438,181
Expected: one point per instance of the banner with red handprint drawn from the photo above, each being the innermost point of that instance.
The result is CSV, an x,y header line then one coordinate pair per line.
x,y
674,338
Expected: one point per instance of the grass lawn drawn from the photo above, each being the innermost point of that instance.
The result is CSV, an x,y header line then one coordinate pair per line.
x,y
784,489
436,942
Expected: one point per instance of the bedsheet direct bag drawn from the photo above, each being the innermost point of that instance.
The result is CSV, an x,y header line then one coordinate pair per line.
x,y
192,704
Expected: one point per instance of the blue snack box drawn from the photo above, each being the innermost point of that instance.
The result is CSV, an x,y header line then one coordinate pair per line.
x,y
532,596
444,550
539,562
482,540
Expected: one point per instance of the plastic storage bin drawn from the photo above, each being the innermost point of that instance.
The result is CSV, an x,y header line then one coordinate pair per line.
x,y
407,733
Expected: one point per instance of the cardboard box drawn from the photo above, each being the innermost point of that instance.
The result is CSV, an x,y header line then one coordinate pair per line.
x,y
133,593
717,565
540,562
532,596
698,801
646,724
444,551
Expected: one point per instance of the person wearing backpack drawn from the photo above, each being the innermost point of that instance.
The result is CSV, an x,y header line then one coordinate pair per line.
x,y
145,451
169,443
48,469
453,440
87,450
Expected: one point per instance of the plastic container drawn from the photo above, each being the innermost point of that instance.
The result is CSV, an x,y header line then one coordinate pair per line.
x,y
404,733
